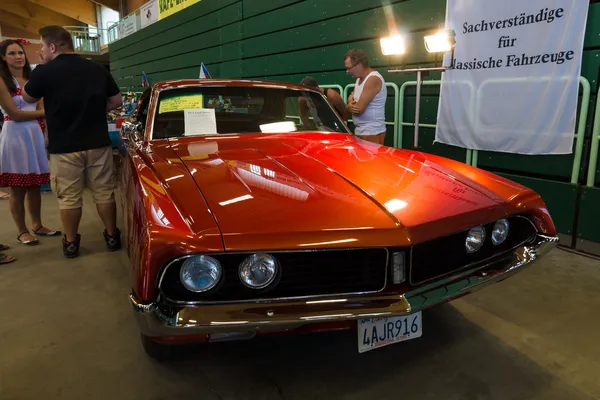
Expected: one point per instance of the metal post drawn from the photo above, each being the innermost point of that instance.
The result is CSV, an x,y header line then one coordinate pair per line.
x,y
419,84
580,134
417,108
591,180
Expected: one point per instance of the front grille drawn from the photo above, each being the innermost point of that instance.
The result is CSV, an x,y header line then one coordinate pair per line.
x,y
302,273
447,255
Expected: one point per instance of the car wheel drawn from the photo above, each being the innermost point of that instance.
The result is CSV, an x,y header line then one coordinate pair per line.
x,y
158,351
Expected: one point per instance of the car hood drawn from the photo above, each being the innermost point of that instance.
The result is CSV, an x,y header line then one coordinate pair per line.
x,y
332,190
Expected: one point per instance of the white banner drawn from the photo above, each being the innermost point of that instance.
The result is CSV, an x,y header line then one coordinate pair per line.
x,y
127,26
149,13
515,80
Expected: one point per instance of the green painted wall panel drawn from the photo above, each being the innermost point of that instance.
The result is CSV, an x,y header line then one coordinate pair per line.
x,y
592,34
159,28
589,215
231,69
365,24
254,7
590,66
197,34
231,51
212,55
560,198
319,59
310,11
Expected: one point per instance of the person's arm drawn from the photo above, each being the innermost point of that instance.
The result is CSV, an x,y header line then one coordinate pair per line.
x,y
34,88
113,102
115,99
8,105
348,106
40,107
372,87
302,111
337,102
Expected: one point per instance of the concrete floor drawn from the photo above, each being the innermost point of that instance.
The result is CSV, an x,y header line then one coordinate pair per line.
x,y
67,332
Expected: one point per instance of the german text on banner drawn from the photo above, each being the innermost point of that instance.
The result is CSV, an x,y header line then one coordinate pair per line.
x,y
515,80
169,7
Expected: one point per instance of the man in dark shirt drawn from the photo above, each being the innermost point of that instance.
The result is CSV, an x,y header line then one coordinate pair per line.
x,y
77,93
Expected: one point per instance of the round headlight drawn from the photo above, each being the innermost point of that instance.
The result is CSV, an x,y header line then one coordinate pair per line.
x,y
475,239
258,271
200,273
500,232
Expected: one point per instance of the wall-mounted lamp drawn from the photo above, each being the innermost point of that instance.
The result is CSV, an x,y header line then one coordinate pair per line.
x,y
442,41
392,45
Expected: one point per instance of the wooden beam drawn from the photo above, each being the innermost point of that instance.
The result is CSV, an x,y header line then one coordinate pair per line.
x,y
13,32
81,10
8,18
37,13
112,4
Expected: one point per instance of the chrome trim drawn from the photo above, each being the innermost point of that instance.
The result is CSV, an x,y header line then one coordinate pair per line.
x,y
273,279
274,299
161,319
209,288
260,84
505,252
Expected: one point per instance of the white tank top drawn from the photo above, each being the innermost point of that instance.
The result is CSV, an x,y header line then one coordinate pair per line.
x,y
372,121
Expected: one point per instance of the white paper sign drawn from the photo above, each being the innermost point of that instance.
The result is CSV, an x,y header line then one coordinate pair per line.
x,y
515,80
200,121
127,26
149,13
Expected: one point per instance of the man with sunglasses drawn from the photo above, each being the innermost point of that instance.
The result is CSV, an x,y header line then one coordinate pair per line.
x,y
367,102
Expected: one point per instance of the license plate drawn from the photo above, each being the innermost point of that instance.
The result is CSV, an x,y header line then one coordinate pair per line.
x,y
378,332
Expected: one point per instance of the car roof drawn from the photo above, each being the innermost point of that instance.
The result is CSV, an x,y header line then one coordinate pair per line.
x,y
229,82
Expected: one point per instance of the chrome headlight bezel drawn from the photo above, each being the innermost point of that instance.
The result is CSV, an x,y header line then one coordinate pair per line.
x,y
211,262
501,227
471,245
271,267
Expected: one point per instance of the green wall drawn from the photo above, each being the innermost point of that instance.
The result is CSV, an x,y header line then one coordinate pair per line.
x,y
285,40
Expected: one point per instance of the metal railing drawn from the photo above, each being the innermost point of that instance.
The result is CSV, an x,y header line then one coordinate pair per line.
x,y
591,178
91,39
472,157
395,122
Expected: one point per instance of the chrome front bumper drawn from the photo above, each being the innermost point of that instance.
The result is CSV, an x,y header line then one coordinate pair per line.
x,y
163,320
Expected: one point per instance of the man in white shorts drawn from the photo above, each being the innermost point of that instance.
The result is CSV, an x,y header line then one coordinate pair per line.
x,y
367,102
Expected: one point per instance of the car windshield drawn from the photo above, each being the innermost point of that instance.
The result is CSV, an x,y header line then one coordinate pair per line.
x,y
212,110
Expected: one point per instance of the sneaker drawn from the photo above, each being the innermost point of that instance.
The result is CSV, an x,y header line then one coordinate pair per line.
x,y
113,242
71,249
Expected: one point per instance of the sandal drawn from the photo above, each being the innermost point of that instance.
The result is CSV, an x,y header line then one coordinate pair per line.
x,y
27,242
49,233
4,259
4,246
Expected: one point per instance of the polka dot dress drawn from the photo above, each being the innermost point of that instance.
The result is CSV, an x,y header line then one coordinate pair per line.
x,y
23,159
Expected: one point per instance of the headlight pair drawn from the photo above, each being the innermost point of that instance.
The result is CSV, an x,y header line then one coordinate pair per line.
x,y
476,236
202,273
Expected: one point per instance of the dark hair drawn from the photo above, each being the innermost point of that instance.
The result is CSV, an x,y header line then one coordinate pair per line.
x,y
5,72
357,56
309,81
58,36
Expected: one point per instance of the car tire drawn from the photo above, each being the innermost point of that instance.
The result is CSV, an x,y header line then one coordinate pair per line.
x,y
158,351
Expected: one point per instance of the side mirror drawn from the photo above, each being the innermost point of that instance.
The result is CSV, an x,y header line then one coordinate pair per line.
x,y
132,131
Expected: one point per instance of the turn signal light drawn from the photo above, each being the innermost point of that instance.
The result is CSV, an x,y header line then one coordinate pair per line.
x,y
398,268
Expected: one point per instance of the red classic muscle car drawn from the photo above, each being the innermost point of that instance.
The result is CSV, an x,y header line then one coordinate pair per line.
x,y
251,208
